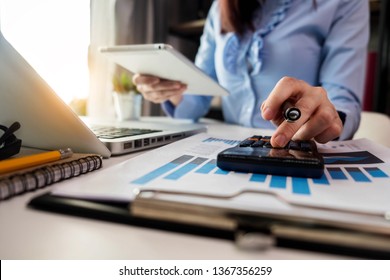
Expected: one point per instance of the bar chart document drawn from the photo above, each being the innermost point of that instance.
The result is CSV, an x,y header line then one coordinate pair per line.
x,y
356,178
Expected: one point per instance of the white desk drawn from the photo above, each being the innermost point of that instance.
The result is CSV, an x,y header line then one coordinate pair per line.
x,y
30,234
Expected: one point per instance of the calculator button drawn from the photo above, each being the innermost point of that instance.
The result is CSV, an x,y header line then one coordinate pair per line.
x,y
305,146
293,145
246,143
249,141
258,144
267,145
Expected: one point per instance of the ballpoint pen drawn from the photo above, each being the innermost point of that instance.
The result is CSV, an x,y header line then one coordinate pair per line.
x,y
290,113
14,164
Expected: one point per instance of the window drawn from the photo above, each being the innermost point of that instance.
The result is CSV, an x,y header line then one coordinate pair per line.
x,y
53,36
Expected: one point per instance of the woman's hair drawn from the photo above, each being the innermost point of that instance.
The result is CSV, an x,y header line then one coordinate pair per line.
x,y
237,15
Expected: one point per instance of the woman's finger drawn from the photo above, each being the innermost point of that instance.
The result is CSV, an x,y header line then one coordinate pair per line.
x,y
161,96
324,125
286,89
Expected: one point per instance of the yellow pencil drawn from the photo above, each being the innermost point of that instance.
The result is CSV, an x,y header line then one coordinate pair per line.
x,y
13,164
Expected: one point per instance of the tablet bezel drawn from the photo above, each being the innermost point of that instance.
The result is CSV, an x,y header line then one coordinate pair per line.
x,y
164,61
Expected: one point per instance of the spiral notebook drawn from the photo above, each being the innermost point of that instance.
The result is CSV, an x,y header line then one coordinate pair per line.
x,y
30,179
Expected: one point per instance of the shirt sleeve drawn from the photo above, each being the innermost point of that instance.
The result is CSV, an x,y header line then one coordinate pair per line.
x,y
343,68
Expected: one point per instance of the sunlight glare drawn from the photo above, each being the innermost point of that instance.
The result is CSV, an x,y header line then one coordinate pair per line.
x,y
53,36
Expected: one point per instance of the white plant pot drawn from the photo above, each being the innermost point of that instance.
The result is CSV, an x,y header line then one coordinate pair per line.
x,y
127,105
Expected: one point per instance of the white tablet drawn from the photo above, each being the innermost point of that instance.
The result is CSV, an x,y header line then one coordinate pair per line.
x,y
164,61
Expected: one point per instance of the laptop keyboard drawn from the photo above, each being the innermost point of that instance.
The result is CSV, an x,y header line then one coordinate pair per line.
x,y
111,132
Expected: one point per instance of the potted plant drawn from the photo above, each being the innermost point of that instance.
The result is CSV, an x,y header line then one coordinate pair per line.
x,y
127,100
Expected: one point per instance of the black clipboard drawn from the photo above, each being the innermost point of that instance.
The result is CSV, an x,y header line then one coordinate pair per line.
x,y
247,231
116,212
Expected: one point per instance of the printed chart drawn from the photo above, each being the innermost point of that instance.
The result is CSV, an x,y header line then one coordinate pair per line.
x,y
345,170
356,177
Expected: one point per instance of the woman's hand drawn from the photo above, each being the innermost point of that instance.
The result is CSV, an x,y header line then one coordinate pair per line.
x,y
319,118
159,90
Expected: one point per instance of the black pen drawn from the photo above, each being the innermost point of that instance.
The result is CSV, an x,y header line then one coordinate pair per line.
x,y
290,113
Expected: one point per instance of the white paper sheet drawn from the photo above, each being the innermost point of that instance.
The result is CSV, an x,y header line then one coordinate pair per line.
x,y
357,177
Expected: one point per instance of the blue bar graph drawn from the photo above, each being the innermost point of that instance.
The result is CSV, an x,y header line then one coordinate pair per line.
x,y
300,186
161,170
279,182
207,168
376,172
177,174
258,178
336,173
323,180
357,174
226,141
221,172
186,164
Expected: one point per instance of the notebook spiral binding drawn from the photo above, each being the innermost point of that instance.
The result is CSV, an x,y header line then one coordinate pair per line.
x,y
32,179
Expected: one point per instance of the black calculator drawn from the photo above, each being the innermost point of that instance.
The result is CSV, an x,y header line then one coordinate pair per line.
x,y
256,155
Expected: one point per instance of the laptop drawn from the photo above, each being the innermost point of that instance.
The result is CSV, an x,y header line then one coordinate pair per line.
x,y
49,123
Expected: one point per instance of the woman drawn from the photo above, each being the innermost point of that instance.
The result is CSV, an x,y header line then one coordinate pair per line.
x,y
311,53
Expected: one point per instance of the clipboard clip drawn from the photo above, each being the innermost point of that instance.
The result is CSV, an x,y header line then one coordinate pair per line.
x,y
258,230
147,205
154,193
